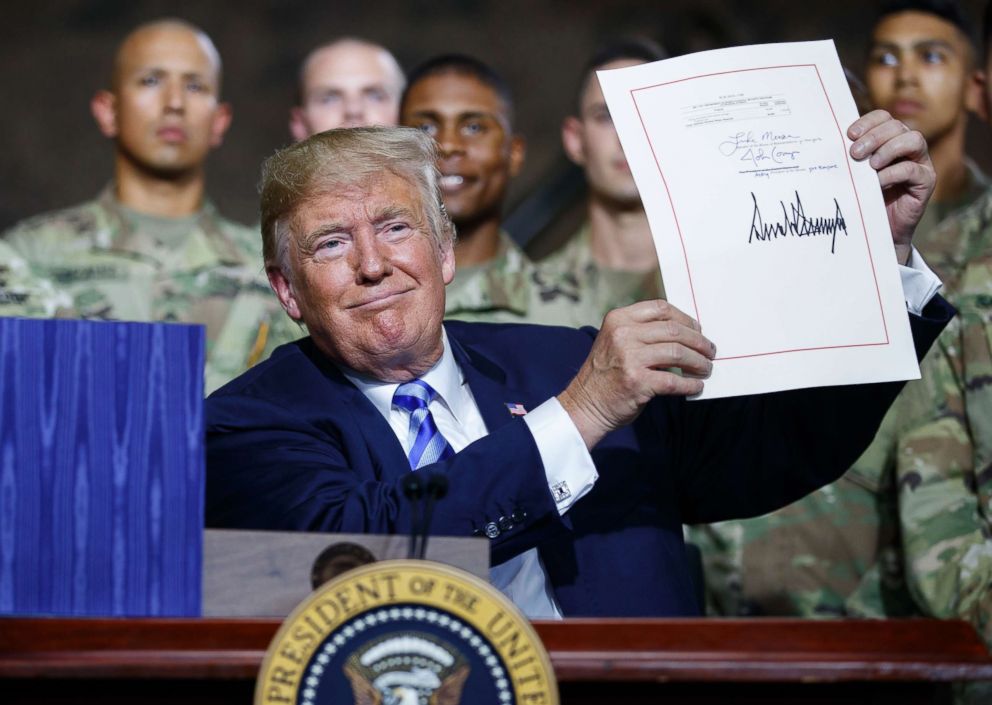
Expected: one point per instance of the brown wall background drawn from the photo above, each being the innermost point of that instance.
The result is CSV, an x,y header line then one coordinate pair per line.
x,y
55,53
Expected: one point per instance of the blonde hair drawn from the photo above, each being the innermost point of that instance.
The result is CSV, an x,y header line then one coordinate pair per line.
x,y
343,158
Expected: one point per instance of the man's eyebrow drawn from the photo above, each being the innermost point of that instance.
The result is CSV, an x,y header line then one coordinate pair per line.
x,y
931,43
309,239
393,213
884,45
498,118
426,113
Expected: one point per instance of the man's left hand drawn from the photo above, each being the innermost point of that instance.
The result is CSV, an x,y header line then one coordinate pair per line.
x,y
905,172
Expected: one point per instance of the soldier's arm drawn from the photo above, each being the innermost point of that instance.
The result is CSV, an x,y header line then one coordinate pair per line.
x,y
946,534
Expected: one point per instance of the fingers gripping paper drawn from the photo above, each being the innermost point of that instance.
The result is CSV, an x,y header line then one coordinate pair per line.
x,y
767,232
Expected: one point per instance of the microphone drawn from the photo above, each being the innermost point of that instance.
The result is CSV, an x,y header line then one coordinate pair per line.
x,y
413,490
437,488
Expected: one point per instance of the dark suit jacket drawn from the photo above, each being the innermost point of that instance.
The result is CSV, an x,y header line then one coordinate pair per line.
x,y
292,444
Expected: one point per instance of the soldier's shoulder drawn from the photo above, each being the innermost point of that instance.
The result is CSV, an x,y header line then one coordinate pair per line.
x,y
967,233
248,239
71,222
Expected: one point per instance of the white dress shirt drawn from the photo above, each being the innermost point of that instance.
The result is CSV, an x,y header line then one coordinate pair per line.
x,y
568,466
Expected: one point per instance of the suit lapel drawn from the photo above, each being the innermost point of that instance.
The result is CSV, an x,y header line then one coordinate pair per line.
x,y
383,446
489,385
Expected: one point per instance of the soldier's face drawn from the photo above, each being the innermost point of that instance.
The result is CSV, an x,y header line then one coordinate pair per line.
x,y
347,85
367,277
166,111
478,154
591,141
920,69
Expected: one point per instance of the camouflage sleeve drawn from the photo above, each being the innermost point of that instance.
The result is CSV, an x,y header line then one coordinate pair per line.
x,y
945,528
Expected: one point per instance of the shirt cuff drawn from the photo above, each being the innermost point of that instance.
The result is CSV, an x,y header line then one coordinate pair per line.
x,y
919,283
568,466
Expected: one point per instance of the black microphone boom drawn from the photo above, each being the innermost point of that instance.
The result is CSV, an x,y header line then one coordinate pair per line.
x,y
437,488
413,490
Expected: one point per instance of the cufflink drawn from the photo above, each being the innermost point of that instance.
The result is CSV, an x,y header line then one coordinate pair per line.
x,y
560,491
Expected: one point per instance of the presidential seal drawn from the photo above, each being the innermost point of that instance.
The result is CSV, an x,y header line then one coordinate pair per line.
x,y
406,633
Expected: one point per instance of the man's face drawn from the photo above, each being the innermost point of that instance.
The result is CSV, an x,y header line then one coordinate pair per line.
x,y
349,84
591,141
165,112
478,152
920,69
367,277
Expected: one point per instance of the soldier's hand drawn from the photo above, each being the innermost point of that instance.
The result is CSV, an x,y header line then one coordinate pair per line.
x,y
905,172
629,365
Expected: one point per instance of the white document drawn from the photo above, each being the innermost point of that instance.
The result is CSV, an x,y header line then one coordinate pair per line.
x,y
767,231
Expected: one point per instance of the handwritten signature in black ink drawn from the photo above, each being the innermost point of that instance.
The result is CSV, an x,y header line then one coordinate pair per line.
x,y
795,223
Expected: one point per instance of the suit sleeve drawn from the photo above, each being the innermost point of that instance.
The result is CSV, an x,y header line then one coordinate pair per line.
x,y
279,472
746,456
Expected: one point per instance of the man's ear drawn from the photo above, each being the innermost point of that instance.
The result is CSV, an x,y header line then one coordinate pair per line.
x,y
220,123
976,98
103,105
518,152
284,292
571,140
298,124
447,262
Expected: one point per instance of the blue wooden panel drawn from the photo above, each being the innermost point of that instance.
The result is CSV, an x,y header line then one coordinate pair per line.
x,y
101,468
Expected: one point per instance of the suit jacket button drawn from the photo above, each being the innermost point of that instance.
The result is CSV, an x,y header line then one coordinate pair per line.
x,y
492,531
518,516
505,523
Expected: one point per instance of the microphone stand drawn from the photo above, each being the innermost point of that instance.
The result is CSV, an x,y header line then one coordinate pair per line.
x,y
413,490
437,488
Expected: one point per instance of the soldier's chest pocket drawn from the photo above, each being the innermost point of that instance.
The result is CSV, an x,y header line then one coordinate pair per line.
x,y
108,288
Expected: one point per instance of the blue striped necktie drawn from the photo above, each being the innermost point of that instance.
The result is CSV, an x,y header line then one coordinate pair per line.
x,y
427,445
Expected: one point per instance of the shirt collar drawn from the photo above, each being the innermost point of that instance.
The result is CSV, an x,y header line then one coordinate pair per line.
x,y
445,377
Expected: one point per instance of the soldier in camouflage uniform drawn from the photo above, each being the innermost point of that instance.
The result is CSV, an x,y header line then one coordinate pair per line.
x,y
923,68
945,468
611,261
468,109
845,549
115,263
151,247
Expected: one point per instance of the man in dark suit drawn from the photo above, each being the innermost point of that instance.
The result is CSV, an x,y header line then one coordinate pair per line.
x,y
574,452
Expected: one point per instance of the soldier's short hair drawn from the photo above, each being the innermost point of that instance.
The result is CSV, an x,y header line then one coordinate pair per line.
x,y
636,48
343,158
949,11
462,65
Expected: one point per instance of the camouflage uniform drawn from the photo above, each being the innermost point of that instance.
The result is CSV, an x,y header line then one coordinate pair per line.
x,y
600,290
945,493
25,294
512,289
118,264
936,234
861,546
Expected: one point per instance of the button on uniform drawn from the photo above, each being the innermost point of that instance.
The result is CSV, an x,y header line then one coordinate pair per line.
x,y
505,523
492,531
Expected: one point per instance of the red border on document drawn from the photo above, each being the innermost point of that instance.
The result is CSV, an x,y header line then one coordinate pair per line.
x,y
678,226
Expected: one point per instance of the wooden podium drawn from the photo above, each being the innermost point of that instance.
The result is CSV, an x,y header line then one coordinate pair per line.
x,y
194,661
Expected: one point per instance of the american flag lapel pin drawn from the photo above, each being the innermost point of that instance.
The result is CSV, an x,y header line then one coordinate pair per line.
x,y
516,408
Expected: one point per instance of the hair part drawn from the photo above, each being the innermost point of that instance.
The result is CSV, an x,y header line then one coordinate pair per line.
x,y
462,65
338,160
